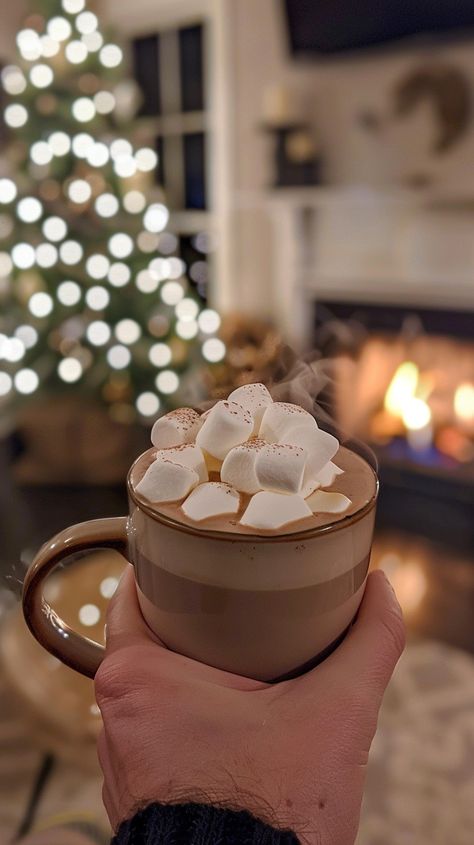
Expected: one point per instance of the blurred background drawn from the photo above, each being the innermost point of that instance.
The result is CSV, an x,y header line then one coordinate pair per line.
x,y
186,185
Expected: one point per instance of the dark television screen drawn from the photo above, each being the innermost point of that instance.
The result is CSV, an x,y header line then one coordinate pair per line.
x,y
324,27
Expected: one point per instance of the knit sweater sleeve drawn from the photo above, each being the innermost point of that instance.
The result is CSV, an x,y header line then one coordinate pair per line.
x,y
198,824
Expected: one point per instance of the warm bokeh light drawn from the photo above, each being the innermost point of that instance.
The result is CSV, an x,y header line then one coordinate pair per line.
x,y
402,388
464,402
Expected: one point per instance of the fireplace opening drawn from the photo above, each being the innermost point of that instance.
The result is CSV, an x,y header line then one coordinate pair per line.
x,y
404,384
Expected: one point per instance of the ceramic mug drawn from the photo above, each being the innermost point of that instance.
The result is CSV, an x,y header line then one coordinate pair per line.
x,y
268,607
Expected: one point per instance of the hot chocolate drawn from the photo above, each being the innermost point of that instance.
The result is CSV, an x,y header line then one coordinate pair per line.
x,y
256,554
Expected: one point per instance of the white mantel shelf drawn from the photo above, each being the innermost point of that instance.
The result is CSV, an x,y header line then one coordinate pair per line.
x,y
393,247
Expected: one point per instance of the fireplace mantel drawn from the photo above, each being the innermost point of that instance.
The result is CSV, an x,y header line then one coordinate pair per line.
x,y
396,247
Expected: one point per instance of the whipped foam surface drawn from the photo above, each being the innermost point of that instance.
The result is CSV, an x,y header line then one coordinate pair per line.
x,y
357,482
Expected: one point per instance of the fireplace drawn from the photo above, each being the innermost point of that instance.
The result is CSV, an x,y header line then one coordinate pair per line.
x,y
404,383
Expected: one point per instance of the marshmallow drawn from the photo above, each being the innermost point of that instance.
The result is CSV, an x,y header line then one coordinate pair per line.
x,y
280,467
226,426
174,429
211,499
187,455
328,474
165,481
255,398
280,418
321,502
319,445
238,468
272,510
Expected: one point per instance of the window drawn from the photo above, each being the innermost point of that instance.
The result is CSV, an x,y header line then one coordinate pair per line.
x,y
169,68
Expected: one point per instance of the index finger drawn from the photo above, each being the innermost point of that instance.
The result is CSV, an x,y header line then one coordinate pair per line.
x,y
125,623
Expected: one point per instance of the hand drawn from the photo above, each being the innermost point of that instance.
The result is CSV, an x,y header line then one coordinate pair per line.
x,y
294,754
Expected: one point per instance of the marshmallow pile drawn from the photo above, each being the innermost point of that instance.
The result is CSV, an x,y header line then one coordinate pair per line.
x,y
273,452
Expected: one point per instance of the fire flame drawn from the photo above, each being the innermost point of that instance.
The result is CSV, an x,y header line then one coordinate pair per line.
x,y
401,399
464,402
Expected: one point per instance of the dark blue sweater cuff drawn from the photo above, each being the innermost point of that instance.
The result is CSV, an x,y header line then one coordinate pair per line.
x,y
198,824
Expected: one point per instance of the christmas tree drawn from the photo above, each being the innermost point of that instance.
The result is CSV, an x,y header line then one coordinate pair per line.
x,y
92,293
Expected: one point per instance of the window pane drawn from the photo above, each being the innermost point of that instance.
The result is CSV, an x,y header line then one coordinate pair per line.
x,y
192,68
146,66
194,170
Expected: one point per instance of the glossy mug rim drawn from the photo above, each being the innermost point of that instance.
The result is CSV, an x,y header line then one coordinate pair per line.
x,y
213,534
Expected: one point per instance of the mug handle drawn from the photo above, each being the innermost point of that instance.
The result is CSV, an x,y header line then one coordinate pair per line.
x,y
79,652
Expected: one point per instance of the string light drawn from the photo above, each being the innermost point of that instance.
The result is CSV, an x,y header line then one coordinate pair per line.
x,y
29,210
106,205
82,144
213,350
76,52
6,384
119,357
121,245
40,304
160,355
8,191
98,266
16,116
59,29
41,76
146,159
209,321
54,229
98,155
119,274
71,252
160,268
79,191
156,217
127,331
26,381
73,7
86,23
146,282
98,333
49,47
125,166
23,256
168,243
59,143
187,309
83,109
13,80
198,272
70,370
104,102
110,55
40,153
167,382
171,293
29,44
68,293
147,242
46,255
187,329
13,349
6,265
176,267
119,148
147,404
28,336
97,298
93,41
134,202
